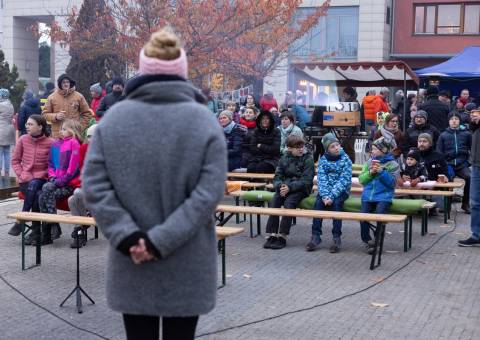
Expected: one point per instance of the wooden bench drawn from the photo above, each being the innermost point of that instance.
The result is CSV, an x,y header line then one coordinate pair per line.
x,y
249,175
379,219
222,233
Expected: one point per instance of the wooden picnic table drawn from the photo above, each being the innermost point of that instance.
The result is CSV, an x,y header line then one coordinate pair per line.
x,y
250,175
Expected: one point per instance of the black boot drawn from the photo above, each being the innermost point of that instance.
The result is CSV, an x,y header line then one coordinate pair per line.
x,y
56,231
46,234
79,239
31,238
15,230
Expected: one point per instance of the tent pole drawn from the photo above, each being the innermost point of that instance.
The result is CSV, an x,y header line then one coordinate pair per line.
x,y
404,98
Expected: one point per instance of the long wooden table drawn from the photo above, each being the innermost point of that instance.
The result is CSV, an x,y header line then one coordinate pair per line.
x,y
250,175
379,219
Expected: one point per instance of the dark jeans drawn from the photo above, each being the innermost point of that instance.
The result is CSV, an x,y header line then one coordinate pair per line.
x,y
49,196
145,327
32,190
475,202
290,201
371,207
465,174
337,205
261,168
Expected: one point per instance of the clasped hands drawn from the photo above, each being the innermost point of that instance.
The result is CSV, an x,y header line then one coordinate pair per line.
x,y
139,252
284,190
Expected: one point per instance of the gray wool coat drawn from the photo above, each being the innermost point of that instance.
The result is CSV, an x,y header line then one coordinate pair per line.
x,y
7,131
157,163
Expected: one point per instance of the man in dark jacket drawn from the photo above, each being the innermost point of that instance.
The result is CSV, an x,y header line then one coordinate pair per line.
x,y
264,145
436,110
111,98
433,161
30,106
420,125
474,239
455,143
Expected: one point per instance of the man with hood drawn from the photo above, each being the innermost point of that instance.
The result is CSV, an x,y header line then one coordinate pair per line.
x,y
30,106
116,95
66,103
420,124
264,145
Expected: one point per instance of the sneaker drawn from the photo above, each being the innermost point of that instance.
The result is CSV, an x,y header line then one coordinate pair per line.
x,y
15,230
280,243
466,209
469,242
335,248
270,240
314,243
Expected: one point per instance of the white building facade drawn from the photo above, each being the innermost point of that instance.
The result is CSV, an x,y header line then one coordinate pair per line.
x,y
18,42
353,30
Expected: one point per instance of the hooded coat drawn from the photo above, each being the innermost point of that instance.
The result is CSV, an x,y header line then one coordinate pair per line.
x,y
166,185
412,133
269,140
380,187
30,107
437,112
7,130
70,101
455,144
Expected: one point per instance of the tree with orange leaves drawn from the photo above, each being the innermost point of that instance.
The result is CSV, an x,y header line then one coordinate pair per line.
x,y
245,39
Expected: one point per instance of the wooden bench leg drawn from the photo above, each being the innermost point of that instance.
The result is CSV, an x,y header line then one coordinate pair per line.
x,y
378,248
410,231
96,232
424,221
259,225
221,247
445,210
237,216
251,226
405,235
23,244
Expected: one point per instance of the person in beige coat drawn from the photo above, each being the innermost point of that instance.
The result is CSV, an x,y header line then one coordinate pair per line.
x,y
66,103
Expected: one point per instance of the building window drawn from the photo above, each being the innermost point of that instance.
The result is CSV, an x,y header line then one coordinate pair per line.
x,y
334,37
456,19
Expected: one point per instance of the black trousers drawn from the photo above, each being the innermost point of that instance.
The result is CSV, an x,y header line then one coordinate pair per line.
x,y
146,327
291,201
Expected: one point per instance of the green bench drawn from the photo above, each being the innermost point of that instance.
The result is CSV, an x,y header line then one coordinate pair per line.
x,y
407,207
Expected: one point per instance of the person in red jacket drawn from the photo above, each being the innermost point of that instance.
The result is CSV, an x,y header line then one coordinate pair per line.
x,y
97,95
76,202
30,163
268,101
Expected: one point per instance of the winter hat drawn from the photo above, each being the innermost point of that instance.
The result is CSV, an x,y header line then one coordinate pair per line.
x,y
426,136
432,91
4,94
96,88
414,153
163,55
227,114
328,139
421,113
454,114
383,144
470,106
28,94
117,81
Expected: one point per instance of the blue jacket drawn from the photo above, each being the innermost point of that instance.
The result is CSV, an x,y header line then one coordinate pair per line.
x,y
455,145
334,176
234,146
380,187
301,115
30,107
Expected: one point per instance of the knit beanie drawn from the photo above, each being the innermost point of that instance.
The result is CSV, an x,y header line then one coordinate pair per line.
x,y
454,114
227,114
470,106
414,153
328,139
426,136
96,88
421,113
383,145
4,93
118,81
163,55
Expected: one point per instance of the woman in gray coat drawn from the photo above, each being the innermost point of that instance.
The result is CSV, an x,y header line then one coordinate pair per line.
x,y
7,131
153,192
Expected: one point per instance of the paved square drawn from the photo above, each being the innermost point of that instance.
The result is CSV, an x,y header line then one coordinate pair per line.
x,y
431,292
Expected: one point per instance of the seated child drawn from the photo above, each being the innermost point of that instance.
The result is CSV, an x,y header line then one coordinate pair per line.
x,y
293,182
334,182
378,178
414,172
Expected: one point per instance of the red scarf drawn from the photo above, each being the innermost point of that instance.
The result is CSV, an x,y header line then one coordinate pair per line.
x,y
249,124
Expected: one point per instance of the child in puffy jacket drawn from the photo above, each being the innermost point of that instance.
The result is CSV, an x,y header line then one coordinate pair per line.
x,y
413,171
378,177
63,174
334,182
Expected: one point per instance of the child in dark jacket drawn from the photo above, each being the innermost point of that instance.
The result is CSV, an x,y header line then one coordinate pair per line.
x,y
413,171
293,182
334,181
378,178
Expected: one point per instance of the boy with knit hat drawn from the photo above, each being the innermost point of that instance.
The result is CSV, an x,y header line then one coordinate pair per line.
x,y
334,180
413,171
378,177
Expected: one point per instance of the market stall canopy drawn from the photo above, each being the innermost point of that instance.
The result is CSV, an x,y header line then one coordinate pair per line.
x,y
361,74
463,65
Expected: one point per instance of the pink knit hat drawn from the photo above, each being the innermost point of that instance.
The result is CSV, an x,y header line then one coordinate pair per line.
x,y
177,67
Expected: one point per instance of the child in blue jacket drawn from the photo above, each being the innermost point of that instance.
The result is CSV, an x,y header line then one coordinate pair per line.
x,y
378,178
334,181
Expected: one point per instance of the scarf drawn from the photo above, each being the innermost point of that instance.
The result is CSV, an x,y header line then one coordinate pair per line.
x,y
228,128
388,133
286,131
333,158
250,124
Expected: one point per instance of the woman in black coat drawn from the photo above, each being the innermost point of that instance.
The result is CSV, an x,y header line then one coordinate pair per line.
x,y
264,145
234,134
